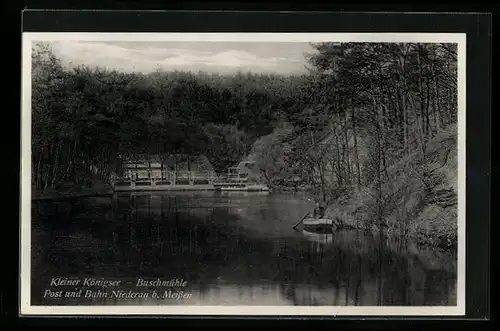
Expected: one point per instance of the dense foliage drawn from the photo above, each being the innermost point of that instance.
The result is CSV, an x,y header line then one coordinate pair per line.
x,y
362,108
86,119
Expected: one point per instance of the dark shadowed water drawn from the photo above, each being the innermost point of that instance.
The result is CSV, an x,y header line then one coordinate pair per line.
x,y
225,249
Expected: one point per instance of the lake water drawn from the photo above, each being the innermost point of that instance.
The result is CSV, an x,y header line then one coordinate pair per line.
x,y
212,248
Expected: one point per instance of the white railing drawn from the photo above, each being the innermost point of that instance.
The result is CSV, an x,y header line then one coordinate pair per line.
x,y
181,178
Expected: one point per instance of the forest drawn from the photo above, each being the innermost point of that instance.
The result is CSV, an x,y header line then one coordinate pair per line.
x,y
370,130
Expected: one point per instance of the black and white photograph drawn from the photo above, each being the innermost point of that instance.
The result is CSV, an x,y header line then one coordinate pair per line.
x,y
243,174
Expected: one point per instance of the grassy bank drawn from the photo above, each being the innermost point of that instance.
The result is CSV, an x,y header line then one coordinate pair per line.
x,y
418,201
70,189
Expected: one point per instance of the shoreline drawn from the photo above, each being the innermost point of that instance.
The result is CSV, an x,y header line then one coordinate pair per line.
x,y
58,196
419,238
394,225
347,221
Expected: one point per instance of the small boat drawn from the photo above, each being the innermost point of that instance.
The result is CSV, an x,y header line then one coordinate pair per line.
x,y
319,224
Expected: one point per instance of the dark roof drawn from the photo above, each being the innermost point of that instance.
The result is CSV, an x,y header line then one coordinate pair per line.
x,y
197,163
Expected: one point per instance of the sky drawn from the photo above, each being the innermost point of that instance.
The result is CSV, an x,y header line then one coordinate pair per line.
x,y
219,57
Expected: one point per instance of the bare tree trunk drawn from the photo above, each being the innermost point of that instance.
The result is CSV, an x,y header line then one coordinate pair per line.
x,y
437,108
337,147
427,107
56,165
346,148
448,105
405,100
420,139
422,99
37,173
379,180
322,180
356,152
48,166
381,131
404,105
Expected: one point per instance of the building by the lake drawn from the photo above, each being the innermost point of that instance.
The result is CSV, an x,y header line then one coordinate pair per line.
x,y
145,167
183,172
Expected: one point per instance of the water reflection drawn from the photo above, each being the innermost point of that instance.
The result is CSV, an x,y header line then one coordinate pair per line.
x,y
232,248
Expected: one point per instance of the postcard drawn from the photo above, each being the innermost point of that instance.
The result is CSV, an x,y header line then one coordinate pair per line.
x,y
316,174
